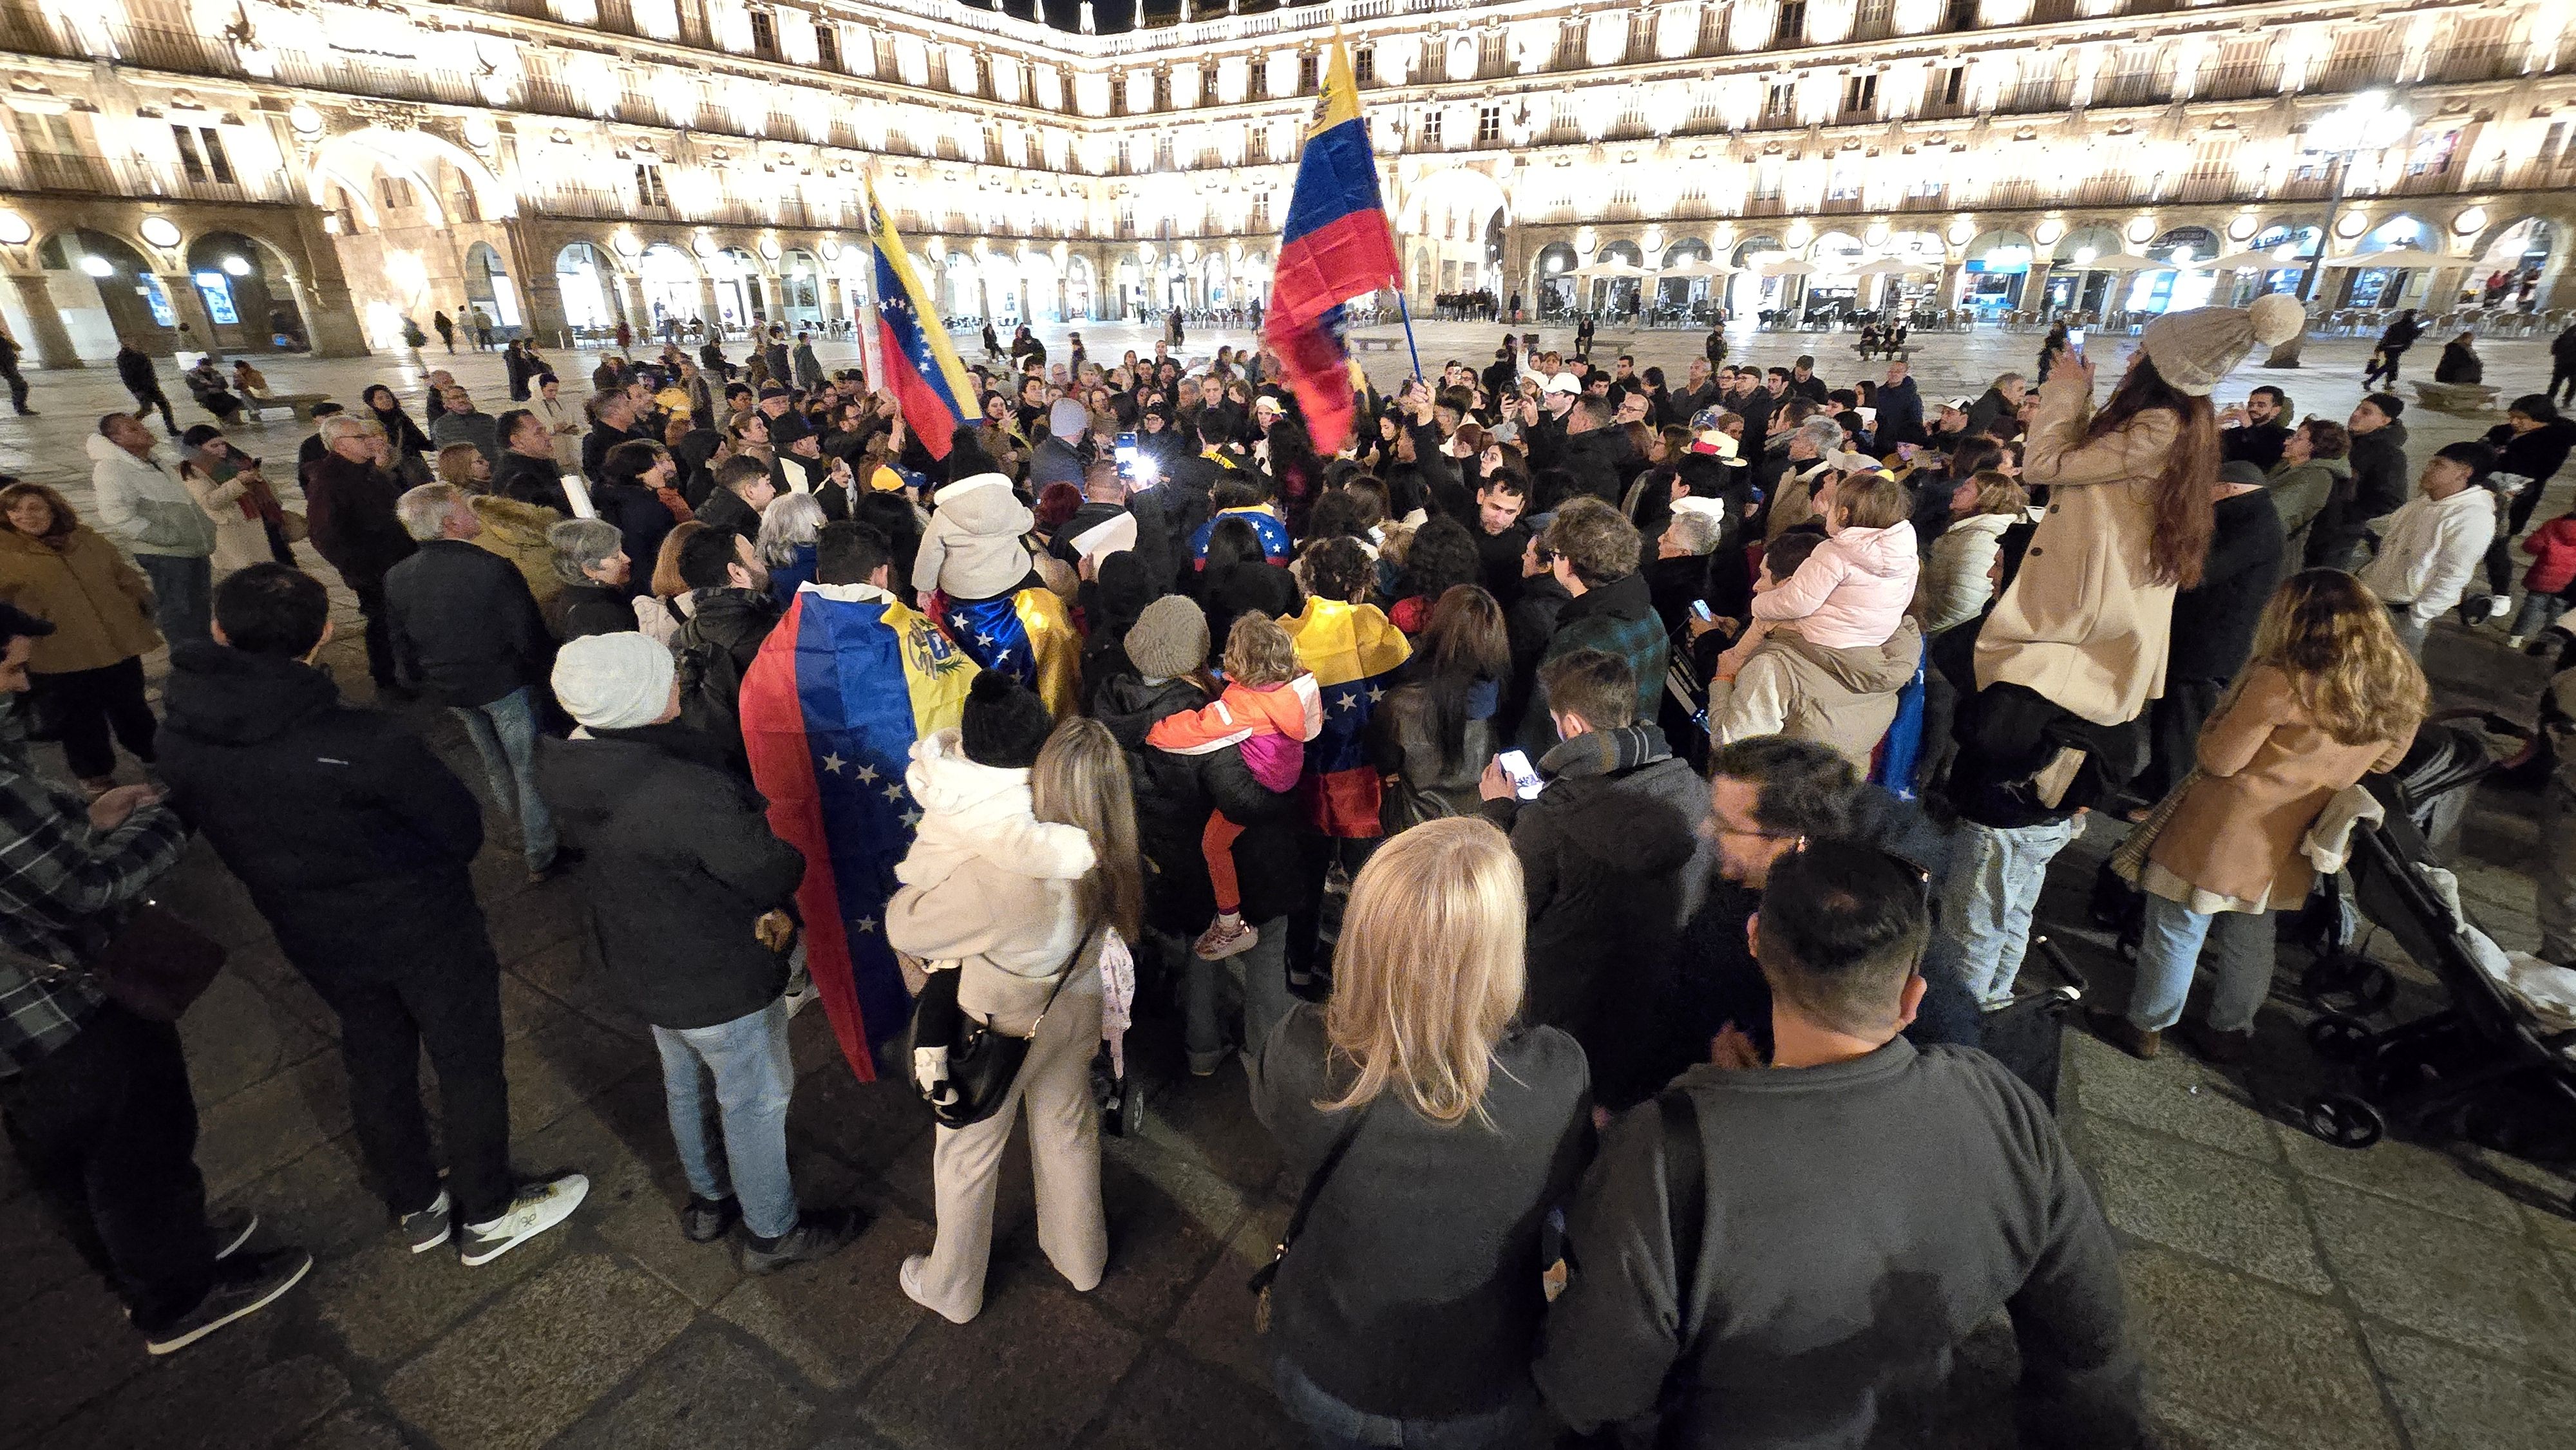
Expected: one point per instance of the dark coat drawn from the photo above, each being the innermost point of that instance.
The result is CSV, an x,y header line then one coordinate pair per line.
x,y
596,444
1900,413
675,862
725,512
1605,860
716,647
1598,460
349,508
534,480
587,608
1619,619
2213,625
464,624
641,520
1233,589
1174,794
2255,443
353,839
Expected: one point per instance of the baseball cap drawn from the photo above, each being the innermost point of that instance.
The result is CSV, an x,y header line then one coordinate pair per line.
x,y
1564,383
1962,404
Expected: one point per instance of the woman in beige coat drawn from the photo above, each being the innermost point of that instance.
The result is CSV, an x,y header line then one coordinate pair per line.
x,y
2329,696
1020,880
89,672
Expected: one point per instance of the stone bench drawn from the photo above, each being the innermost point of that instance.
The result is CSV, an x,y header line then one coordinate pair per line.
x,y
1376,344
2460,398
1892,354
298,404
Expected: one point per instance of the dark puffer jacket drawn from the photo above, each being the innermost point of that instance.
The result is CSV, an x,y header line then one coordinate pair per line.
x,y
353,838
1174,794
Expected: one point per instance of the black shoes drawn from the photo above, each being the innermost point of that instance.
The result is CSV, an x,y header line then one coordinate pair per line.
x,y
819,1234
245,1283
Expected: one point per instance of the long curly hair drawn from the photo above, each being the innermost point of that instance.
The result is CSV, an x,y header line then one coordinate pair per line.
x,y
2331,636
2183,507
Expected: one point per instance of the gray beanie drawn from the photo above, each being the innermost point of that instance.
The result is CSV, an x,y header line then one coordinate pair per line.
x,y
1169,639
614,681
2193,350
1068,419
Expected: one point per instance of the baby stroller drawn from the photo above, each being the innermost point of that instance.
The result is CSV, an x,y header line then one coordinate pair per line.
x,y
2483,1048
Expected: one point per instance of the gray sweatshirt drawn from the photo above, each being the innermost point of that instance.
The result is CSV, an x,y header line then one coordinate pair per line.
x,y
1862,1219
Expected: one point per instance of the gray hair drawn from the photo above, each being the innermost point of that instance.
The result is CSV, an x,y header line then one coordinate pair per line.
x,y
1823,434
791,519
341,425
424,510
582,544
1693,531
2005,379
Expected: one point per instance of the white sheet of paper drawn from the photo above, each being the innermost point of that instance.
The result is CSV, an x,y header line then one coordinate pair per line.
x,y
577,492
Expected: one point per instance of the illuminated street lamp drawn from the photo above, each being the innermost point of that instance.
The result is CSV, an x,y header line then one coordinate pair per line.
x,y
2367,122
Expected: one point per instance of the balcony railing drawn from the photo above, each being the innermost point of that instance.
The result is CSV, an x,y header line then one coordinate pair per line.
x,y
2472,63
2355,73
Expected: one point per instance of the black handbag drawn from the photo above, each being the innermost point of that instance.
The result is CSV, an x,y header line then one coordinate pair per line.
x,y
982,1061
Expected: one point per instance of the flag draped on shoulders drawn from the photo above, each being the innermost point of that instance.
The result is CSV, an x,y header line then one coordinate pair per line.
x,y
1336,245
1026,634
1353,652
844,685
922,368
1275,544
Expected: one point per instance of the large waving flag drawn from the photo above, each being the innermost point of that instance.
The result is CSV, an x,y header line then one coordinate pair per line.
x,y
1337,245
921,364
830,709
1353,652
1025,634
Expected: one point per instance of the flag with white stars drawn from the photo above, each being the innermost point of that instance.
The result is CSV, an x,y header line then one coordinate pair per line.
x,y
1025,634
830,709
923,370
1353,652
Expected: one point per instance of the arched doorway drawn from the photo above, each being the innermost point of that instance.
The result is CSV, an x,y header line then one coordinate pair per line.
x,y
1832,290
2074,283
107,295
1998,264
1616,296
1675,296
246,296
2181,288
1552,280
1077,287
800,288
2387,286
737,279
1750,289
2285,243
1045,288
669,281
582,281
488,290
2507,272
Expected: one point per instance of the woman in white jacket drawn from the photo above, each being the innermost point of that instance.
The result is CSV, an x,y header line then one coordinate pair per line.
x,y
1958,570
1017,877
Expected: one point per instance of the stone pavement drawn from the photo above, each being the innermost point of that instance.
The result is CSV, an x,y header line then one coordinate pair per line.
x,y
2288,1293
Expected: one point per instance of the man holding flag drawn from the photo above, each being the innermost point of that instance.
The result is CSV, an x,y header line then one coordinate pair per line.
x,y
844,685
1337,245
922,369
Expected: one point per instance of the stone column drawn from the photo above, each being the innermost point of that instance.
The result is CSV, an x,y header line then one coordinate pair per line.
x,y
190,309
2034,290
50,341
330,314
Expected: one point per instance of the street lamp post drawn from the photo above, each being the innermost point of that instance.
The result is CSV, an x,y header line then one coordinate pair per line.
x,y
2367,122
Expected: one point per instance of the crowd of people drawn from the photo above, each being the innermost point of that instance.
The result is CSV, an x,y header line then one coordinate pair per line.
x,y
1596,807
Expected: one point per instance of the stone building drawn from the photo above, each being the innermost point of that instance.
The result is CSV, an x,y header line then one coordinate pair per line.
x,y
313,173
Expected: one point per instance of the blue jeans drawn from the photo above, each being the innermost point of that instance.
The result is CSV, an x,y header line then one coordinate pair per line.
x,y
505,735
1336,1426
2240,946
1987,899
747,1057
183,595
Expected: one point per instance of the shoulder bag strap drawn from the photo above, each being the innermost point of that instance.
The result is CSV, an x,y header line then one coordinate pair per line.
x,y
1306,1197
1686,1197
1064,976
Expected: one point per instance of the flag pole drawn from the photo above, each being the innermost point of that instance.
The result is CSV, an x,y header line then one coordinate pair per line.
x,y
1406,312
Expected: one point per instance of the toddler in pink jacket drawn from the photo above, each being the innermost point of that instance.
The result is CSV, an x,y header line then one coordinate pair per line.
x,y
1853,591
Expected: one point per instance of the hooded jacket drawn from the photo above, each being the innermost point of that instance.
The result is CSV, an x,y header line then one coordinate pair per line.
x,y
1174,794
517,532
986,884
1851,591
2213,622
981,812
1610,857
352,837
675,862
2300,494
99,605
1844,698
972,549
143,505
1955,586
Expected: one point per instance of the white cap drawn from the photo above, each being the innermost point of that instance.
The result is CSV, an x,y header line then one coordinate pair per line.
x,y
1564,383
1961,404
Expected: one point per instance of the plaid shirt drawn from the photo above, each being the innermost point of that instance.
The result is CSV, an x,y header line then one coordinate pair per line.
x,y
63,890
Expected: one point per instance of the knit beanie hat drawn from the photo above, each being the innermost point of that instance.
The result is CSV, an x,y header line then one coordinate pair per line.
x,y
1169,639
614,681
2193,350
2390,406
1068,419
1003,725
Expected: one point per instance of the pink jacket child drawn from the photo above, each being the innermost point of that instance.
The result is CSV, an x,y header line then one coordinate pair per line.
x,y
1269,711
1852,592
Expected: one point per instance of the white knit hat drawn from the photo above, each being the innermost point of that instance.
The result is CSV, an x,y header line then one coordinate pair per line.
x,y
2193,350
614,681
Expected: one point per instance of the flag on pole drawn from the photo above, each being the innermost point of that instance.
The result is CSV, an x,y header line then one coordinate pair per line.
x,y
1337,245
921,365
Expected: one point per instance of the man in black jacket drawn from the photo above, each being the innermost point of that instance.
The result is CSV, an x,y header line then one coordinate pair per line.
x,y
687,899
1791,1255
468,632
356,844
2213,624
349,495
734,612
2256,430
2381,482
612,421
1611,858
528,471
1593,451
742,493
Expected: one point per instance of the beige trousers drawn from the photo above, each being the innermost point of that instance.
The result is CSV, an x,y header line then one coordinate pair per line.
x,y
1054,1089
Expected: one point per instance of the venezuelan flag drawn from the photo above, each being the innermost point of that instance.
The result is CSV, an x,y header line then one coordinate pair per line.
x,y
830,709
1273,534
921,364
1337,245
1353,652
1027,635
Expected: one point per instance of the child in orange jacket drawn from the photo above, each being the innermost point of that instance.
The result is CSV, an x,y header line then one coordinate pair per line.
x,y
2552,548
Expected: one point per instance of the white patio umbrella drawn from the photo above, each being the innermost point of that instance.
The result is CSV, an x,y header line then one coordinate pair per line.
x,y
2117,262
1611,270
2251,262
2394,257
1774,265
1893,267
1699,269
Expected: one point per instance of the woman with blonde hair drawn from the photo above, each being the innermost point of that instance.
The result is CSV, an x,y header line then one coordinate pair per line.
x,y
1434,1131
1024,878
2329,696
667,601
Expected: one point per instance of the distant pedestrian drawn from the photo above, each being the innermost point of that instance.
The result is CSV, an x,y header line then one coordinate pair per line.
x,y
134,369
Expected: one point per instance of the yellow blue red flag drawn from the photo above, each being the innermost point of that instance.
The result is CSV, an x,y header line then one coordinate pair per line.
x,y
1353,651
922,368
1337,245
